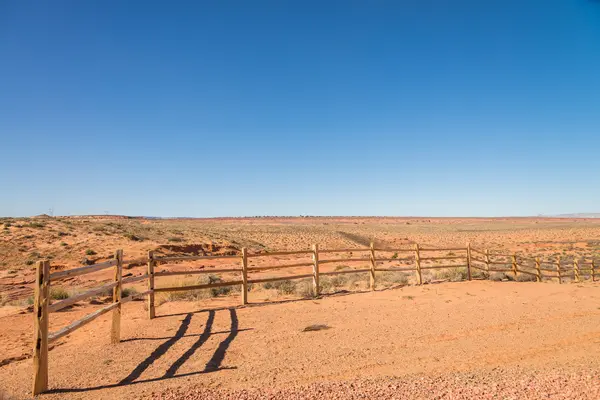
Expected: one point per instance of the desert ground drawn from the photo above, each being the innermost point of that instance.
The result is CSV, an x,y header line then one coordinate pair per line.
x,y
448,338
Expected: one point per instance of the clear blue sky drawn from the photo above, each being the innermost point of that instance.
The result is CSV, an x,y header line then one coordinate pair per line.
x,y
232,108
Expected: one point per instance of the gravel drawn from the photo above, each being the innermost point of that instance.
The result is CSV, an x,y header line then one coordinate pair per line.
x,y
500,384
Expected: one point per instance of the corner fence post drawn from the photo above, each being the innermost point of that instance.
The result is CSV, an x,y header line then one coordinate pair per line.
x,y
372,259
559,276
538,270
315,256
244,275
514,265
469,261
418,264
40,336
115,332
151,310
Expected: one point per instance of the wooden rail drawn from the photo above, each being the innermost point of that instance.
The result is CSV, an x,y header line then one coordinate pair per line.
x,y
280,253
578,270
196,287
344,260
82,270
195,272
82,296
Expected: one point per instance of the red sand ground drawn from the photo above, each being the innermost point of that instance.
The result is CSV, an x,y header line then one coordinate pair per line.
x,y
452,340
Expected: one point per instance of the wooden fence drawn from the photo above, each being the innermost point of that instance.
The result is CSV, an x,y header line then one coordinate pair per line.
x,y
420,257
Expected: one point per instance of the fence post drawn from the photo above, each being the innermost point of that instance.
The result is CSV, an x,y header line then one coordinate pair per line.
x,y
538,271
558,270
487,262
315,255
244,275
151,311
418,264
40,335
514,265
469,260
593,272
576,269
115,331
372,259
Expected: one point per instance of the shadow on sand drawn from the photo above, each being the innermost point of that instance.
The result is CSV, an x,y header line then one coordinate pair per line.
x,y
214,364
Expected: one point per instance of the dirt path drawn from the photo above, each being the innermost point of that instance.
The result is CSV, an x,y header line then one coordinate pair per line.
x,y
461,329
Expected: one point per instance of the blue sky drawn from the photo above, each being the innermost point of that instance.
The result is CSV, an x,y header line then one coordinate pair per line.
x,y
233,108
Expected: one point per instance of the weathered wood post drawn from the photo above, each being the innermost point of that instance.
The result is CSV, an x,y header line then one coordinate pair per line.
x,y
244,275
487,262
593,271
115,331
576,270
40,333
514,265
418,264
469,260
372,259
151,262
559,276
315,257
538,270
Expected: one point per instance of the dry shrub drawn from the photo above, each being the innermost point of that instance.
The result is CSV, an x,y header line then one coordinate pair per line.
x,y
525,278
196,294
391,278
283,287
305,288
58,293
497,276
479,274
452,274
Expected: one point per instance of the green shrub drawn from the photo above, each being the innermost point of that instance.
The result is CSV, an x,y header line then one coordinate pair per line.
x,y
29,262
64,244
90,252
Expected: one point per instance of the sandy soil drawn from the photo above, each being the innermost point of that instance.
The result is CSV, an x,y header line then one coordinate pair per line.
x,y
67,240
459,339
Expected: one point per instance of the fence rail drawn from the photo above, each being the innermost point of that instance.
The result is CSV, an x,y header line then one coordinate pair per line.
x,y
512,263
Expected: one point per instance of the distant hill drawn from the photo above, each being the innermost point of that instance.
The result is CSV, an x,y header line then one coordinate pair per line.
x,y
579,215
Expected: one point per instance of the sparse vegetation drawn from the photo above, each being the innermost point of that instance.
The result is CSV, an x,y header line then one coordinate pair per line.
x,y
90,252
58,293
133,237
35,225
452,274
126,292
525,278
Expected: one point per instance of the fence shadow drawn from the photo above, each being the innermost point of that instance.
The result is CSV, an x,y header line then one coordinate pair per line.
x,y
214,364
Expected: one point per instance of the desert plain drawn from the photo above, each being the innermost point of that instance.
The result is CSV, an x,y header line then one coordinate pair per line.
x,y
492,337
